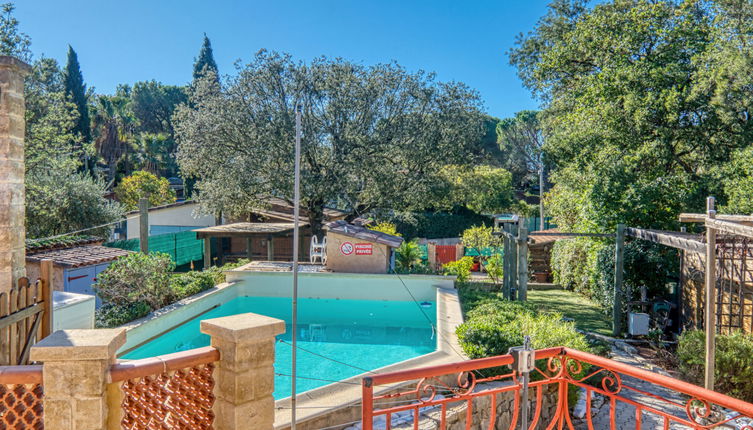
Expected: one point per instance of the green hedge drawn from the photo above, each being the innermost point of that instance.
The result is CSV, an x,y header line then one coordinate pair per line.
x,y
733,361
586,266
435,225
494,324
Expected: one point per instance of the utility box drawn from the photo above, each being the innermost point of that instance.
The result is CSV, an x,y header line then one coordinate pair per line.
x,y
638,324
72,311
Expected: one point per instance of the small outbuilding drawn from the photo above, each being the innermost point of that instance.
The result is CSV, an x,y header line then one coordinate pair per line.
x,y
356,249
75,268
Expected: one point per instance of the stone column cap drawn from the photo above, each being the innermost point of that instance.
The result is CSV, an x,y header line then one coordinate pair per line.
x,y
79,345
242,328
6,61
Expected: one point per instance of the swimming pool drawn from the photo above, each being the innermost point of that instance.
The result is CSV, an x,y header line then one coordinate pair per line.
x,y
364,334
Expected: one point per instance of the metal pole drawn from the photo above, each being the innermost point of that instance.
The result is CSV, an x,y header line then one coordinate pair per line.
x,y
619,251
296,212
710,313
144,225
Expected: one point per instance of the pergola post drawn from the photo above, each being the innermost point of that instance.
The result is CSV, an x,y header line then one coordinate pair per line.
x,y
710,312
207,252
522,260
619,251
249,243
270,248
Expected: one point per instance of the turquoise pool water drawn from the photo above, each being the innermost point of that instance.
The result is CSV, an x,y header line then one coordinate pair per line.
x,y
362,333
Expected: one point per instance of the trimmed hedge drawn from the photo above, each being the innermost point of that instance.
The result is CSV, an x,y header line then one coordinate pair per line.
x,y
586,266
435,225
733,360
494,324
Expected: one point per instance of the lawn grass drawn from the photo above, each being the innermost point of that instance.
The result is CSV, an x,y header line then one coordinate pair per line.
x,y
588,316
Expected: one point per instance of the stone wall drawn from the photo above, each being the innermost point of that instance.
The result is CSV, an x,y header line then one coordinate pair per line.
x,y
12,210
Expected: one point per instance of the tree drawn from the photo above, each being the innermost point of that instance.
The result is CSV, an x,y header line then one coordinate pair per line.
x,y
113,124
13,42
61,201
522,139
205,65
75,89
642,106
144,185
153,105
482,189
373,137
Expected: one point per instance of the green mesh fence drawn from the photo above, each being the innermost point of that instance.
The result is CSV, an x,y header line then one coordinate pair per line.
x,y
183,247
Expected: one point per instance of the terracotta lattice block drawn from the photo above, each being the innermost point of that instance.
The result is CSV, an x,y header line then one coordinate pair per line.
x,y
178,400
21,407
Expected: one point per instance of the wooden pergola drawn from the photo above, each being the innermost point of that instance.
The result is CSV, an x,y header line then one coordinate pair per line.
x,y
247,230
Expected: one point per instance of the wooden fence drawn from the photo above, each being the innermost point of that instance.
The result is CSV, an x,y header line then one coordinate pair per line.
x,y
25,316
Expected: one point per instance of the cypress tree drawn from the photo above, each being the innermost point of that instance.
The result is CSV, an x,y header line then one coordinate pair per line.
x,y
205,61
75,89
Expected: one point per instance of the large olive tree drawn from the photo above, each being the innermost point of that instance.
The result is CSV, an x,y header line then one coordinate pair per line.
x,y
373,136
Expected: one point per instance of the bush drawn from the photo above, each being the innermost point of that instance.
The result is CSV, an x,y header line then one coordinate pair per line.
x,y
586,266
187,284
495,268
110,315
460,268
407,256
386,227
435,225
733,361
136,278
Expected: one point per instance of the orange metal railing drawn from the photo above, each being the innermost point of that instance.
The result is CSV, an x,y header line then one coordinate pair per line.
x,y
168,391
435,392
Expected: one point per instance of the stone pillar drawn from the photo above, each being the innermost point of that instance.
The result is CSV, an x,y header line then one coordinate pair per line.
x,y
244,377
431,254
76,365
12,127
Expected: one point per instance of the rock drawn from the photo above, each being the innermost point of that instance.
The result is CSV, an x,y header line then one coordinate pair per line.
x,y
580,406
624,346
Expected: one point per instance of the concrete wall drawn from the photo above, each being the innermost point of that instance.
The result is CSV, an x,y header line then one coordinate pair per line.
x,y
338,260
182,215
12,191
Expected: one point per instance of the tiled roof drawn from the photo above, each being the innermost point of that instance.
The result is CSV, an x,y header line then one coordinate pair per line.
x,y
79,256
245,229
359,232
39,245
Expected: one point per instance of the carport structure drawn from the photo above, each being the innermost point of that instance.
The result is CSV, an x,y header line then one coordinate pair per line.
x,y
247,230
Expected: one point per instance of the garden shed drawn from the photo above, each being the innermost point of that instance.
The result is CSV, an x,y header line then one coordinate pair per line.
x,y
268,234
75,268
356,249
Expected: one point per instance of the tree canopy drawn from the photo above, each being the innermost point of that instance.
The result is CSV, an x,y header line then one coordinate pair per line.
x,y
645,102
373,137
205,64
144,185
75,89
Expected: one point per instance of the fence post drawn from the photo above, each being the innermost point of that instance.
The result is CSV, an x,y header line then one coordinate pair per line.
x,y
513,261
523,260
144,225
619,251
47,286
505,262
710,312
244,377
76,365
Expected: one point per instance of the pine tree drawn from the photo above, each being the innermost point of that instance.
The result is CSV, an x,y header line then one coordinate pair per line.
x,y
75,89
205,62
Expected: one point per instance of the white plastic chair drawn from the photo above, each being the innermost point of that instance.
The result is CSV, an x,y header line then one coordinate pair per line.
x,y
318,250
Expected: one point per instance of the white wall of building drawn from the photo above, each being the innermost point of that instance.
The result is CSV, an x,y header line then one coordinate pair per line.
x,y
177,216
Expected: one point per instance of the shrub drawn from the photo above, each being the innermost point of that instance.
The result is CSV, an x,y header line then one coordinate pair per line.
x,y
733,361
386,227
460,268
190,283
407,256
434,225
110,315
135,278
495,268
142,184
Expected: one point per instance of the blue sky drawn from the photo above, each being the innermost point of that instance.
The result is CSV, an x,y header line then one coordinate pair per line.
x,y
133,40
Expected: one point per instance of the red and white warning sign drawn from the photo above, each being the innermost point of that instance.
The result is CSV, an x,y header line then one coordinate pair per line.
x,y
346,248
364,249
